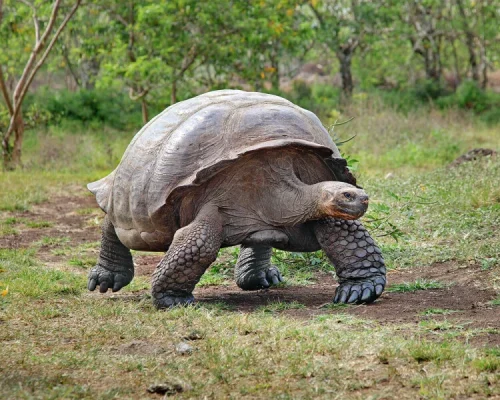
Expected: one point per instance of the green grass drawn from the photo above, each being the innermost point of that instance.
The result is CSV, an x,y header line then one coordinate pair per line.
x,y
28,279
82,262
442,325
487,364
221,272
495,302
279,306
436,311
238,355
426,351
39,224
60,341
53,241
419,284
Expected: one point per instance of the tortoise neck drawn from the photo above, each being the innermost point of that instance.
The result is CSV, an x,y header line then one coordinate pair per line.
x,y
302,206
312,210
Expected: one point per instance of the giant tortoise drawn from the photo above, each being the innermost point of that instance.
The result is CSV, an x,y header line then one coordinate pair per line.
x,y
233,168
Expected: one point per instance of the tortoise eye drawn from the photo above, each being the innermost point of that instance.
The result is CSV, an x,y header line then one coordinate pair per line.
x,y
348,195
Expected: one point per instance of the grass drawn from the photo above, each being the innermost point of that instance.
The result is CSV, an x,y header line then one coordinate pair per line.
x,y
279,306
443,325
495,302
60,341
436,311
419,284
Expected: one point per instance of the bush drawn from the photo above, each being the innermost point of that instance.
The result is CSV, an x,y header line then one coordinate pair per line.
x,y
320,99
429,89
113,109
470,96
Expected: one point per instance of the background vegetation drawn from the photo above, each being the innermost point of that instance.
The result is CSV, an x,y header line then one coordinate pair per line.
x,y
420,79
117,63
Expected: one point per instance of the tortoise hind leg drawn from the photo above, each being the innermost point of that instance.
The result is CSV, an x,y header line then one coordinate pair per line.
x,y
254,270
193,249
115,268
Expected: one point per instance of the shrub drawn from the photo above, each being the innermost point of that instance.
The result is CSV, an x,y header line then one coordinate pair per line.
x,y
111,108
470,96
429,89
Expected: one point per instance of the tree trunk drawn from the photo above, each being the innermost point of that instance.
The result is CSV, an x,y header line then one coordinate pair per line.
x,y
275,74
18,141
345,57
89,70
469,41
144,108
12,155
458,77
472,56
484,66
173,94
39,53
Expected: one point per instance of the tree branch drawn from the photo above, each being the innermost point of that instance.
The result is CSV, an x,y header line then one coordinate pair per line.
x,y
30,70
135,97
70,67
35,20
34,53
317,15
5,92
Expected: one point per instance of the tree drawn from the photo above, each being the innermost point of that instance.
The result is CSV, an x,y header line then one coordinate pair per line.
x,y
423,22
158,43
46,29
268,39
479,23
345,25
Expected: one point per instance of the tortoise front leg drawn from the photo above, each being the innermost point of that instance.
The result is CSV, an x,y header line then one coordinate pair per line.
x,y
115,268
192,251
357,260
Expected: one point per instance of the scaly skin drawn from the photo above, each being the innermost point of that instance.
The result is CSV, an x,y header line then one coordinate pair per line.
x,y
253,270
357,259
193,249
115,268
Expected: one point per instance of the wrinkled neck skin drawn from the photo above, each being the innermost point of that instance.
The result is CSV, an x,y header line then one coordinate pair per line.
x,y
301,204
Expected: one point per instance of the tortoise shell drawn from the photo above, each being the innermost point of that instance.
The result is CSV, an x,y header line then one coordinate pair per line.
x,y
189,143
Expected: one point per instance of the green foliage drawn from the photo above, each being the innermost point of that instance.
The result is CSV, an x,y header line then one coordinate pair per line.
x,y
428,90
320,99
469,96
109,107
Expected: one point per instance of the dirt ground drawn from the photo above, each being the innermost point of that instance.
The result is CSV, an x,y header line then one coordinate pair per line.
x,y
467,288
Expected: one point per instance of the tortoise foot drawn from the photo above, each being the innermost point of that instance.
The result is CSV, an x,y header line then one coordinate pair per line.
x,y
260,279
360,291
105,279
171,299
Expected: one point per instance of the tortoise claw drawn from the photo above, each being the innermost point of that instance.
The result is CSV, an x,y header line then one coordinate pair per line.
x,y
262,279
360,291
105,279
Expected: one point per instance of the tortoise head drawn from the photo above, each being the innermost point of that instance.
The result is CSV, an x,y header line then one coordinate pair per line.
x,y
341,200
